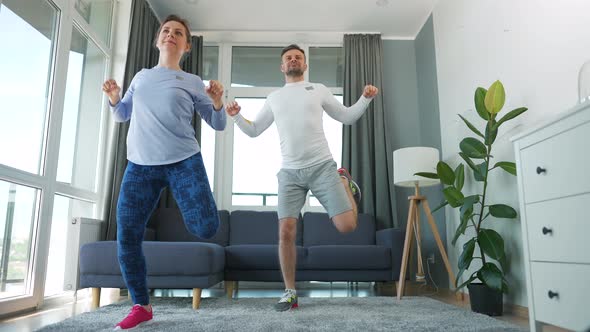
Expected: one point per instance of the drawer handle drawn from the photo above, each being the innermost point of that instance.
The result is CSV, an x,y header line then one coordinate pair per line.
x,y
547,231
552,294
541,170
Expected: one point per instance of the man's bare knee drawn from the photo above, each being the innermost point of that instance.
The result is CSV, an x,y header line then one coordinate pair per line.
x,y
345,222
345,227
287,231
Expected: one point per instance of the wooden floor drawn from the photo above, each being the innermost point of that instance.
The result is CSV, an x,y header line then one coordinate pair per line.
x,y
53,314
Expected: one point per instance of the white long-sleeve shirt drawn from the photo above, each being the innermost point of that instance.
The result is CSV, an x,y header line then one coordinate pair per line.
x,y
297,109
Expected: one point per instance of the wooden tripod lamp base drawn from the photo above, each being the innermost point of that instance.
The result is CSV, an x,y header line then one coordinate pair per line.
x,y
413,228
406,163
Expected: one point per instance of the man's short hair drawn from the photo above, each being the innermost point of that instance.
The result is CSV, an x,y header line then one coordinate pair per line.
x,y
292,47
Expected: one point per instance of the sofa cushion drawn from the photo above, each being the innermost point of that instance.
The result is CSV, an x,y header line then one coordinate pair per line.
x,y
348,257
318,229
170,227
256,227
162,258
258,257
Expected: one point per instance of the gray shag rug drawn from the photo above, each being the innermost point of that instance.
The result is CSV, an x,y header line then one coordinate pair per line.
x,y
313,314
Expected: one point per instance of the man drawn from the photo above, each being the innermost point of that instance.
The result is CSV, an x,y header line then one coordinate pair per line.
x,y
307,163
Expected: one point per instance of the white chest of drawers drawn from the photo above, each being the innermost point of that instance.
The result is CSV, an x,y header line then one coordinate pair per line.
x,y
553,165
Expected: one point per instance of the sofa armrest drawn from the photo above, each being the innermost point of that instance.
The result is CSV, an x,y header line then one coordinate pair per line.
x,y
394,239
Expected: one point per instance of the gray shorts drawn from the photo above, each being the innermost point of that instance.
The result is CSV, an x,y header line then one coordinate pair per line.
x,y
323,181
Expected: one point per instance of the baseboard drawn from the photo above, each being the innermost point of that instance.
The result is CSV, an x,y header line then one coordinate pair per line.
x,y
517,310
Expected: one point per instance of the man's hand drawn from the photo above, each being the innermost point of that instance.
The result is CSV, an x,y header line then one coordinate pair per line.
x,y
370,91
112,90
232,108
215,92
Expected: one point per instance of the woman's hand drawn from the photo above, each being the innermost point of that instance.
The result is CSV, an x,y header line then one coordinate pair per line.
x,y
215,92
112,90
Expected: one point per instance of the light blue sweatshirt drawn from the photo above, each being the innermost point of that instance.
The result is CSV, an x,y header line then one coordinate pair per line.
x,y
160,103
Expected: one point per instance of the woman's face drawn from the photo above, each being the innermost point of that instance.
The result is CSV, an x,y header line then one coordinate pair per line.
x,y
173,38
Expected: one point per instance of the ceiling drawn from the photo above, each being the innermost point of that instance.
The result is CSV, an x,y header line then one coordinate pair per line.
x,y
394,19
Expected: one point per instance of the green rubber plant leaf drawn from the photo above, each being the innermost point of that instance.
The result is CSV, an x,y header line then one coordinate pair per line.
x,y
466,257
453,196
491,134
472,127
463,225
495,97
470,280
479,174
440,206
491,243
510,115
468,203
468,161
427,175
491,276
459,176
445,172
502,211
473,148
508,166
480,107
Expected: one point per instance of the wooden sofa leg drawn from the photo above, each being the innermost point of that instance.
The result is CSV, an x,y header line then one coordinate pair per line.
x,y
95,298
196,298
229,288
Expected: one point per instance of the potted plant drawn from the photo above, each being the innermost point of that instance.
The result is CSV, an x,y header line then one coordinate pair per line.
x,y
474,208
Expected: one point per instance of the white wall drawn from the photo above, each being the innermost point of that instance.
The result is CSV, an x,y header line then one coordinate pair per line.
x,y
536,48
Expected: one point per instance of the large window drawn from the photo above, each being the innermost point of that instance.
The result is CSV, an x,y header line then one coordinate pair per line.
x,y
97,13
326,66
28,35
256,161
18,212
210,72
81,126
256,66
52,132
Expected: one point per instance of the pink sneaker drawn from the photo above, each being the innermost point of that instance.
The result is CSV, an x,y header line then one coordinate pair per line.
x,y
137,316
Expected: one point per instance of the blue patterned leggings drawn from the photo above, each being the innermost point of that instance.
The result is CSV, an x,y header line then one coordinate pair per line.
x,y
140,191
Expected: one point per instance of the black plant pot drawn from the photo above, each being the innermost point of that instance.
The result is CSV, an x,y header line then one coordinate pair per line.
x,y
485,300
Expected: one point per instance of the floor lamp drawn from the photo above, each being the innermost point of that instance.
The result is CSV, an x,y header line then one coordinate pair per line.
x,y
407,162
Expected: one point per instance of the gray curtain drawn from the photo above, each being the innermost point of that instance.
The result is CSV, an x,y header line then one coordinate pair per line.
x,y
192,63
365,144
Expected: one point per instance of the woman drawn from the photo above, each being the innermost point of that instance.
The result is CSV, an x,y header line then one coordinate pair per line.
x,y
162,151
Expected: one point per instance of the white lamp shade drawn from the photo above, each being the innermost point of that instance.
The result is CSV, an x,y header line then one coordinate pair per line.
x,y
408,161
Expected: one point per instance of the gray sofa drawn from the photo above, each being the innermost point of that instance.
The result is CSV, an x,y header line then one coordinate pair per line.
x,y
246,249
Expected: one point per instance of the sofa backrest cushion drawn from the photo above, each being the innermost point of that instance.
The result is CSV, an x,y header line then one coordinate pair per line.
x,y
170,227
318,230
256,227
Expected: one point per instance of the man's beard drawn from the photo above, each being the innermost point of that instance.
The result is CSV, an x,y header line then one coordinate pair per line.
x,y
294,72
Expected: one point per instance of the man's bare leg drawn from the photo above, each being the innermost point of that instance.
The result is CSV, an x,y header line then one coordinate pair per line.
x,y
346,222
288,260
287,252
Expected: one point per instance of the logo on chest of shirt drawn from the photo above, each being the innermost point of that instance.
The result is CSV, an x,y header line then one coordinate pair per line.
x,y
309,88
179,78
